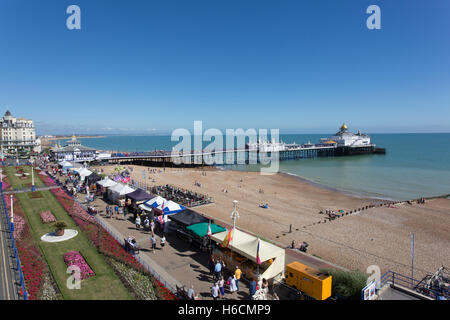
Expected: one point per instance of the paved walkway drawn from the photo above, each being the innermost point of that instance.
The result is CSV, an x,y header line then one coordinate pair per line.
x,y
8,281
30,190
177,263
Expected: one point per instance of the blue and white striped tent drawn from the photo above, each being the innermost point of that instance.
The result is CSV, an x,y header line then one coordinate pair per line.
x,y
170,208
156,202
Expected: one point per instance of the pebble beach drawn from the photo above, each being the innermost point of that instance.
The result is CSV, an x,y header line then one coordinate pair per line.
x,y
376,236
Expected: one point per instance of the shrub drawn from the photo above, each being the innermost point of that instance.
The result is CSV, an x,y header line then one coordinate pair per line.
x,y
347,284
60,225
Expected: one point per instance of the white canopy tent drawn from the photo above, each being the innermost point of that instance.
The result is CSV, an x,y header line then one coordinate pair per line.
x,y
107,182
83,172
65,164
246,245
119,190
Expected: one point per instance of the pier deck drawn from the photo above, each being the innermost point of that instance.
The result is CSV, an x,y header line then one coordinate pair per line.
x,y
235,156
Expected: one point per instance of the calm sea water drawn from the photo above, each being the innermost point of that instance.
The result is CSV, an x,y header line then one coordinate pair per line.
x,y
415,164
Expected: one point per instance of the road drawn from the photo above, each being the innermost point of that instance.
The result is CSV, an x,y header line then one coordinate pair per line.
x,y
8,287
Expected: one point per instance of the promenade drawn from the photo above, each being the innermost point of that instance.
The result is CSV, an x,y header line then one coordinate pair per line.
x,y
177,263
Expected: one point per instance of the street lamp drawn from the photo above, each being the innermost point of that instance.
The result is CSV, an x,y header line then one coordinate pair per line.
x,y
12,214
33,188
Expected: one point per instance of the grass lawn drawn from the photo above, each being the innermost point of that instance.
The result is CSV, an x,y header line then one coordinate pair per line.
x,y
104,285
18,183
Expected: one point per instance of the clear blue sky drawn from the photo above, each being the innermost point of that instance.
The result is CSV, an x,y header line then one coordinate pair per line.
x,y
296,65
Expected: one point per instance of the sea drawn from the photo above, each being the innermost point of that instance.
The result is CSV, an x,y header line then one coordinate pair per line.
x,y
415,165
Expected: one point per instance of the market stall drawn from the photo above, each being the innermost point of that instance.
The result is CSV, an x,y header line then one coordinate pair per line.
x,y
83,173
138,197
65,165
155,202
180,221
93,178
247,250
117,193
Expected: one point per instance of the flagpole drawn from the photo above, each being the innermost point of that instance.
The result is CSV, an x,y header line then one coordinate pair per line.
x,y
258,259
234,215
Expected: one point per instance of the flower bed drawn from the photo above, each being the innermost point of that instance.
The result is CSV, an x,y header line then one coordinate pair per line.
x,y
49,182
104,241
74,258
32,264
34,195
63,198
47,217
5,185
19,219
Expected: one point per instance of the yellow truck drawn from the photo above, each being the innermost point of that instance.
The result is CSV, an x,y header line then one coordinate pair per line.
x,y
308,280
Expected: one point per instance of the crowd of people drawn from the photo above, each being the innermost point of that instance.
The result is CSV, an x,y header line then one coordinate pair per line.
x,y
217,270
184,197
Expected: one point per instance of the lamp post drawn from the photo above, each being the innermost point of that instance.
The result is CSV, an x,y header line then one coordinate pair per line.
x,y
12,214
33,188
234,216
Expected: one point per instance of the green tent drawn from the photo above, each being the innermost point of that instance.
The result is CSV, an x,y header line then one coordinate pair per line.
x,y
201,229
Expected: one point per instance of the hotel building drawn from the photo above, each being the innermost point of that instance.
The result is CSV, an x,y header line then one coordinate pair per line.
x,y
17,135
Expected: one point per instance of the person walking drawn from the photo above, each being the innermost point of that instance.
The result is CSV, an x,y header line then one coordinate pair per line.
x,y
107,211
163,241
215,291
252,289
146,224
120,212
125,212
116,210
152,225
211,264
232,283
218,269
237,276
138,222
153,240
222,288
191,293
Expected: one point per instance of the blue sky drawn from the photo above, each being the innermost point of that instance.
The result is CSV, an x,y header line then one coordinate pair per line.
x,y
153,66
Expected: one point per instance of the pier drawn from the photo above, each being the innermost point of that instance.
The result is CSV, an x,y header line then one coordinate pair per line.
x,y
235,156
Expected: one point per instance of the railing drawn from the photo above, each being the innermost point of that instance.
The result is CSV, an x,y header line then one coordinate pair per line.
x,y
16,256
407,282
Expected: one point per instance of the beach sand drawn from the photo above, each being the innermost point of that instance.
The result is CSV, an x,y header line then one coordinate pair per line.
x,y
376,236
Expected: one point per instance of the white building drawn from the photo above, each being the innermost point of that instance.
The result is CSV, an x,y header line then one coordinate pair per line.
x,y
74,151
344,138
17,134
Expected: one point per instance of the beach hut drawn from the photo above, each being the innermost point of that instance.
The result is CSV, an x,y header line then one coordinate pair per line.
x,y
272,257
